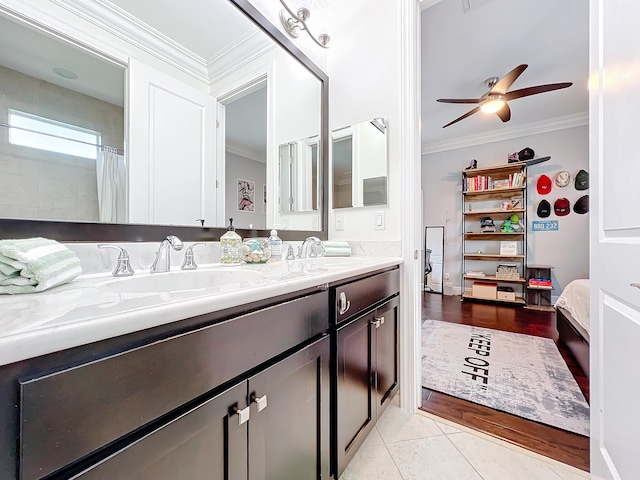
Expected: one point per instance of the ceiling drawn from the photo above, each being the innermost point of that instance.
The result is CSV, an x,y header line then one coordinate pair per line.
x,y
36,54
460,50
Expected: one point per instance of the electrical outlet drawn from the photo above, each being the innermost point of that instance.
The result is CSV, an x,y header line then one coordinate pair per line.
x,y
446,277
339,221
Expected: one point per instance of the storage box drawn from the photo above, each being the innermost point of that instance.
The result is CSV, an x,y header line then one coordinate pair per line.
x,y
508,248
484,290
506,293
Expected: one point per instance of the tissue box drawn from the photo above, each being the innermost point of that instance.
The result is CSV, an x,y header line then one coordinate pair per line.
x,y
484,290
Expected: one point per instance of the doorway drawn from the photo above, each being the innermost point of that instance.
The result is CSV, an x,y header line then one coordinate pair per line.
x,y
244,125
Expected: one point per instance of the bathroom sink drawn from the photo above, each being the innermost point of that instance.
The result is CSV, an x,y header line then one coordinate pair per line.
x,y
219,278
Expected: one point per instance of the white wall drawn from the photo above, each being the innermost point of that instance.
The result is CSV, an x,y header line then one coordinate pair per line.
x,y
364,65
567,249
246,169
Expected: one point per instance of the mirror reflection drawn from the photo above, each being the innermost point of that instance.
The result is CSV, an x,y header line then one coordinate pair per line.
x,y
220,161
360,164
299,176
61,130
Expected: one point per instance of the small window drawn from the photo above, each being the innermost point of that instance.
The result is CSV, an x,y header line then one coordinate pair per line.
x,y
46,134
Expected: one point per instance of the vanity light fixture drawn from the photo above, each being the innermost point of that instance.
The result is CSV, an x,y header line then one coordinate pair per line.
x,y
293,21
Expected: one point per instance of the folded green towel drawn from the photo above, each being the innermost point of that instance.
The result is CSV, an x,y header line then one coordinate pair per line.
x,y
342,251
35,264
335,244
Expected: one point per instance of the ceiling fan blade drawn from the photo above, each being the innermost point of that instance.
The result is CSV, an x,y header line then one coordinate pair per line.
x,y
458,100
505,82
504,113
468,114
525,92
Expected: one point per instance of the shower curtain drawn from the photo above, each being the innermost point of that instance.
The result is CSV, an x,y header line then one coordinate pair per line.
x,y
112,198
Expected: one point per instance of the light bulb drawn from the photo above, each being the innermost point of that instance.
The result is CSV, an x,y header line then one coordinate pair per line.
x,y
492,104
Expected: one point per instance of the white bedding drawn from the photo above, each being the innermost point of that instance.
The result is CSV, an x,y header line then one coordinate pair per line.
x,y
575,299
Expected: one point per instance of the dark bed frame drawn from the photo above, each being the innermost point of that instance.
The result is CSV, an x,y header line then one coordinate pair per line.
x,y
574,337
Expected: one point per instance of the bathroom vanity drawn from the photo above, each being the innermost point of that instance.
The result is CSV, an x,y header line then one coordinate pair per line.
x,y
230,382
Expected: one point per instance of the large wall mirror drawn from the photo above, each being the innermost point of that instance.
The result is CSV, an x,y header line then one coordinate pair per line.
x,y
360,157
73,158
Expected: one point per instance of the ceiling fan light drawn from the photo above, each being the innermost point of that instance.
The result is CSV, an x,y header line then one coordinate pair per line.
x,y
492,105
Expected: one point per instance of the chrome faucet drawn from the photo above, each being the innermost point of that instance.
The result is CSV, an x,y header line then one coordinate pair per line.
x,y
162,263
310,248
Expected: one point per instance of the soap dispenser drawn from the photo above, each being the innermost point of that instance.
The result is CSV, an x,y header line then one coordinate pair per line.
x,y
230,246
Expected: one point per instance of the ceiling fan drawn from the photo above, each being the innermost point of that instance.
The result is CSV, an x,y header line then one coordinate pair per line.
x,y
495,100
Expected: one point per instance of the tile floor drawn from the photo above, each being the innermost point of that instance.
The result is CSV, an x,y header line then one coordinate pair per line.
x,y
421,446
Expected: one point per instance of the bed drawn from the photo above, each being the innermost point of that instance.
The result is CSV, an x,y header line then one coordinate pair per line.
x,y
573,322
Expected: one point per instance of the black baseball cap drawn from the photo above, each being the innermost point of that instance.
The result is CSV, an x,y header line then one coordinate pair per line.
x,y
544,209
582,205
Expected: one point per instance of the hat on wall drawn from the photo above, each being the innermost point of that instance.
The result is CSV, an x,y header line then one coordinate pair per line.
x,y
582,180
562,207
582,205
544,209
544,184
563,179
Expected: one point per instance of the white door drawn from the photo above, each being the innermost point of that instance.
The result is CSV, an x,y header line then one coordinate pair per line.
x,y
172,134
615,238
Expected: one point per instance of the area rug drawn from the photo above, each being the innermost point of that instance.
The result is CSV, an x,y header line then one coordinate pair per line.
x,y
518,374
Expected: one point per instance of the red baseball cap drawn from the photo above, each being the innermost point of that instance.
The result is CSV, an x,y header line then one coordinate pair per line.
x,y
544,184
562,207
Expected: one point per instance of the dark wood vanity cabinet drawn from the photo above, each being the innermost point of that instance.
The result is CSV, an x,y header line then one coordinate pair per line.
x,y
269,427
366,367
222,396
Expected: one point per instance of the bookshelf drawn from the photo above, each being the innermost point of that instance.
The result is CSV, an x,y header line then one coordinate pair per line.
x,y
488,192
539,288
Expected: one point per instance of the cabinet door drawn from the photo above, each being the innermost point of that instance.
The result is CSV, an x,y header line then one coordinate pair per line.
x,y
208,442
289,426
355,392
385,351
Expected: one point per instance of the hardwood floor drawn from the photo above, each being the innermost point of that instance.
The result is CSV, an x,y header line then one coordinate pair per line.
x,y
552,442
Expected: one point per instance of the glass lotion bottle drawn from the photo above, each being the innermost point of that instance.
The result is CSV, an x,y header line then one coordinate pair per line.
x,y
230,246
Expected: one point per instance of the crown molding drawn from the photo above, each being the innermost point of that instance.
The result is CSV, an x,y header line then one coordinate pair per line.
x,y
125,26
242,152
509,133
236,55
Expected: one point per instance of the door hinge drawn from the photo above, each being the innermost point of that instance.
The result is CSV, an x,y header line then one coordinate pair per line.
x,y
217,123
415,254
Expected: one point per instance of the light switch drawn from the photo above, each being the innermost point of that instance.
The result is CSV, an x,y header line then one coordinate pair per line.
x,y
339,221
379,221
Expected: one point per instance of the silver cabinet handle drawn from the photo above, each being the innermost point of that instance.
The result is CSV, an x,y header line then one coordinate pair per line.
x,y
261,402
377,321
343,303
243,414
636,284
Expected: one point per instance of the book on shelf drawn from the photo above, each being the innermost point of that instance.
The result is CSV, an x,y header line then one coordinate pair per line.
x,y
540,282
481,183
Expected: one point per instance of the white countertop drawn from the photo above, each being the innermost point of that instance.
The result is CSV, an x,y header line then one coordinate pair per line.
x,y
88,309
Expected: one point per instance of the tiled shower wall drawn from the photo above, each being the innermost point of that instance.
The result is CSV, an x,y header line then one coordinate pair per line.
x,y
45,185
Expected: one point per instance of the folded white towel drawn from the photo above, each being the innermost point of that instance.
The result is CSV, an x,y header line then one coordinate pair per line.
x,y
35,264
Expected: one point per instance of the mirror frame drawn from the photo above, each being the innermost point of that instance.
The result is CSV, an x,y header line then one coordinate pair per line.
x,y
127,232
